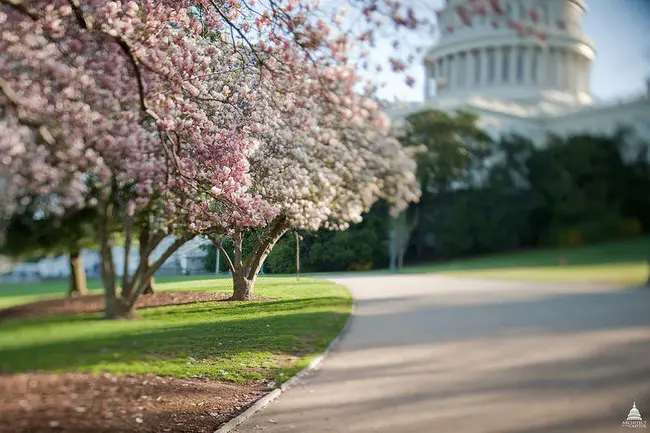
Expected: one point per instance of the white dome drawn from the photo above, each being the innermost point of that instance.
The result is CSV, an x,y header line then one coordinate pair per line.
x,y
524,51
634,414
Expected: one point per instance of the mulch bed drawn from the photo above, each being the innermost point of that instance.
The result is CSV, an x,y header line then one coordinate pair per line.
x,y
83,403
95,303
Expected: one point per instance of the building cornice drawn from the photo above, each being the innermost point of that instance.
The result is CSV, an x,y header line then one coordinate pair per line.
x,y
505,37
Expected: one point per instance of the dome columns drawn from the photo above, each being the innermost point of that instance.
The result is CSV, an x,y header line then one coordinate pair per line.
x,y
493,57
508,64
515,67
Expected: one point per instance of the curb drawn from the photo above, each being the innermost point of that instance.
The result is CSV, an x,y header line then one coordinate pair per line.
x,y
268,398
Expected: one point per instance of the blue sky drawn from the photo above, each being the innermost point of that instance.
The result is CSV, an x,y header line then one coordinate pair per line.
x,y
620,30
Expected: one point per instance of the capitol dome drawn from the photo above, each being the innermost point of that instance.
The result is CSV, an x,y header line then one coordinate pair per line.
x,y
523,67
524,51
634,414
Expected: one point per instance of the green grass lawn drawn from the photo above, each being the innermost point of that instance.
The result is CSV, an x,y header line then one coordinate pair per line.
x,y
620,262
236,341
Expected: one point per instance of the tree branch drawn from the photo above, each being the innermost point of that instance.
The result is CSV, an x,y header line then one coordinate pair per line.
x,y
138,74
218,244
237,240
141,283
239,32
14,100
128,234
78,13
270,237
264,247
105,221
9,93
151,245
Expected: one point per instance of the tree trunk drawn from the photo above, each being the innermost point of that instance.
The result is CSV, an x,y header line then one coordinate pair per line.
x,y
400,256
145,258
392,250
77,274
297,256
242,287
118,308
142,277
128,237
150,286
264,247
123,307
245,274
403,230
111,309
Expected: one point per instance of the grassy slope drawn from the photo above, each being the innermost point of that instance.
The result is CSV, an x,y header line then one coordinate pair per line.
x,y
621,262
233,341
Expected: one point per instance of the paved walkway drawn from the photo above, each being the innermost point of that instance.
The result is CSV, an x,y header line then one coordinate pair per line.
x,y
446,355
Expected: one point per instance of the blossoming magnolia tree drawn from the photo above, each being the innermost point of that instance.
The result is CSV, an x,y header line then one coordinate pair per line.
x,y
320,162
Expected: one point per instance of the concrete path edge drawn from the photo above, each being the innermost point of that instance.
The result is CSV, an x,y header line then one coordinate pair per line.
x,y
268,398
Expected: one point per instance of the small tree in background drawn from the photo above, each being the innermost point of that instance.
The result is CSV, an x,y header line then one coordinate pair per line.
x,y
35,233
454,148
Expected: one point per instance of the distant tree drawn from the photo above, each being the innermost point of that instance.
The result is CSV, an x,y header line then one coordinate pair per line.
x,y
636,153
581,181
637,188
455,150
34,233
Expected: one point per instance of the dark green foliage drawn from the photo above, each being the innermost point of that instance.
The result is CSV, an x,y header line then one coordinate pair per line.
x,y
586,190
250,238
456,147
210,260
482,197
469,222
34,234
362,246
357,248
637,182
282,259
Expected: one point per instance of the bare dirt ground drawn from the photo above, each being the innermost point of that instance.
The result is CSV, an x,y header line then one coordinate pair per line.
x,y
82,403
95,303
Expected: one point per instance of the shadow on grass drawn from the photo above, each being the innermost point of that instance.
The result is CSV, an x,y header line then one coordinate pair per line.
x,y
203,331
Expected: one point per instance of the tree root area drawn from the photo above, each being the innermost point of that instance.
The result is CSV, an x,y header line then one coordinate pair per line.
x,y
95,303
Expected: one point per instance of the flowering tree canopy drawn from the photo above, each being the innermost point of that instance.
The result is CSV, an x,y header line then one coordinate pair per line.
x,y
320,162
187,115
